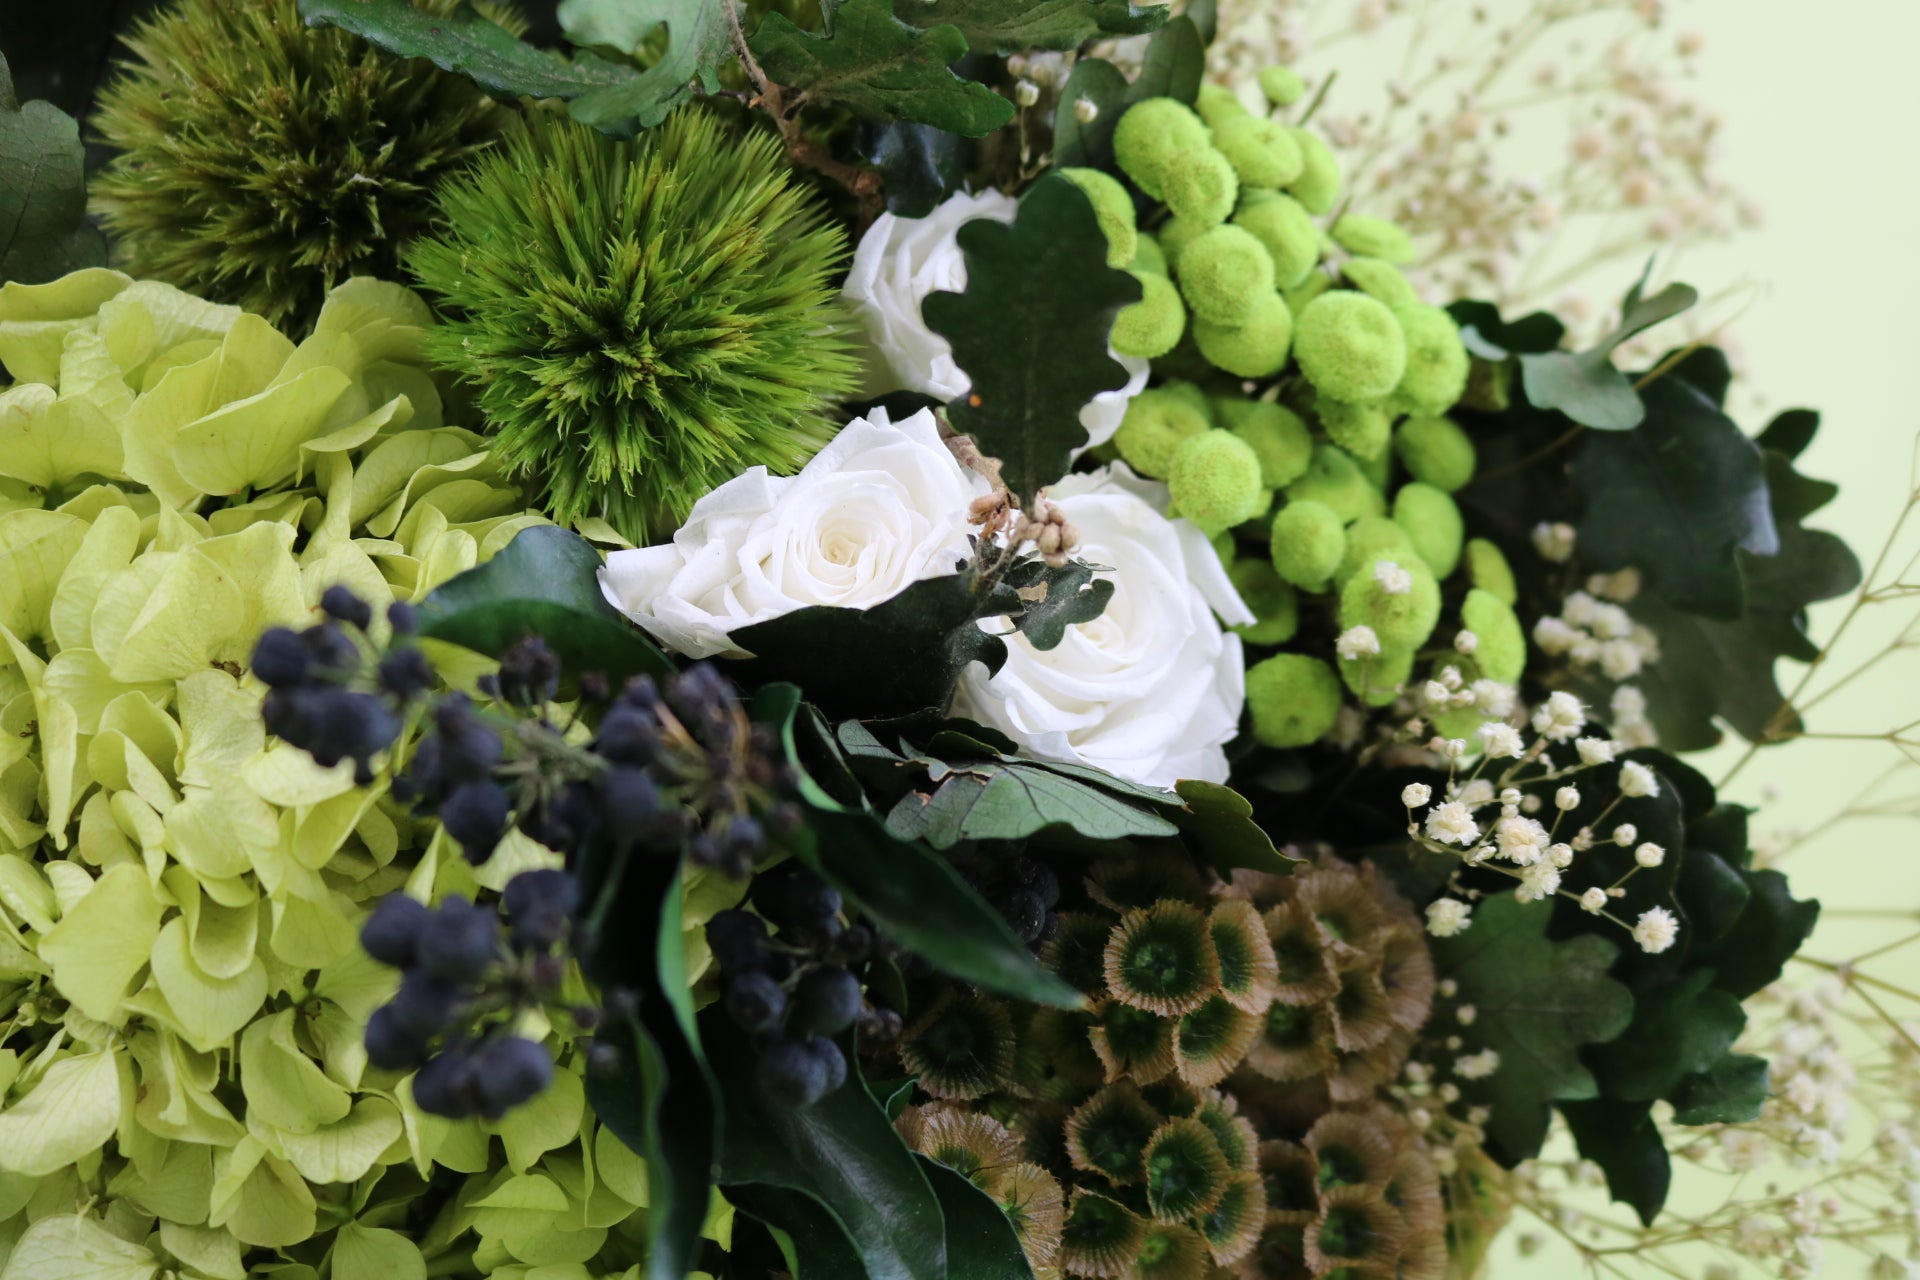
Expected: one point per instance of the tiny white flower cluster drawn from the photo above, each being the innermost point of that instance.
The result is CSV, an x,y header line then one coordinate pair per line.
x,y
1513,841
1591,630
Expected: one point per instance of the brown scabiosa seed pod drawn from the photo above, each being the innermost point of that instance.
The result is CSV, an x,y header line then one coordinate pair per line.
x,y
1108,1133
1186,1173
1211,1041
961,1048
1101,1237
1132,1043
1249,973
1161,959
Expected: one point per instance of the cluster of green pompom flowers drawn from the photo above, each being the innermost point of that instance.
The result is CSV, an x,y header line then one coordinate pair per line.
x,y
1301,422
180,975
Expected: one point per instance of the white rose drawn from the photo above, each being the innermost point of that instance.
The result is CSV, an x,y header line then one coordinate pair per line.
x,y
881,507
902,260
1150,690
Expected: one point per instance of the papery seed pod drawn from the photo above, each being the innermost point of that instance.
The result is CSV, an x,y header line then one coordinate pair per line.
x,y
1249,971
1351,1148
1108,1133
1076,951
1054,1055
1406,973
960,1048
1100,1238
968,1142
1293,1044
1354,1228
1232,1227
1212,1040
1171,1252
1362,1014
1132,1043
1161,959
1035,1207
1239,1141
1186,1174
1304,972
1121,884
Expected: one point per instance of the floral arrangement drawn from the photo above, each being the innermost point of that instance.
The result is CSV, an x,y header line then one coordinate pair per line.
x,y
747,638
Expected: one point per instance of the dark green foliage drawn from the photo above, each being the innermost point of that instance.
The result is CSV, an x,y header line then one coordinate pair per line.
x,y
1539,1001
1005,26
878,67
643,320
1623,1140
1175,61
1584,385
1031,331
43,228
262,162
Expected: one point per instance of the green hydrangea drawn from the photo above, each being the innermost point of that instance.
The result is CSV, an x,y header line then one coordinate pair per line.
x,y
183,898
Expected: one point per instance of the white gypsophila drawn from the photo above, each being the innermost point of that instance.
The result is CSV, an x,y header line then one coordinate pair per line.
x,y
1560,717
1521,841
1500,740
1566,799
1540,880
1465,641
900,262
1649,854
1447,917
1554,542
1625,834
1452,823
1151,690
1595,750
1415,795
1656,930
1356,643
1560,855
1393,580
1435,694
881,507
1637,780
1475,793
1594,900
1477,1066
1496,699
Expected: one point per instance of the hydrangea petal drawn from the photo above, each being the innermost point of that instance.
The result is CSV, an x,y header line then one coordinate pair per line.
x,y
209,1010
71,1111
77,1248
547,1123
104,941
345,1150
35,319
283,1087
375,1253
210,1253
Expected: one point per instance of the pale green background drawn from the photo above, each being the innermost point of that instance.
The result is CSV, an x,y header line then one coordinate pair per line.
x,y
1816,98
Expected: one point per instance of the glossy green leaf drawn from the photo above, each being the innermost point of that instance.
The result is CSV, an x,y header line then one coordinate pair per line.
x,y
44,233
922,639
824,780
1755,950
1013,799
1031,331
467,44
1731,1091
879,68
1218,821
981,1244
810,1235
842,1152
1007,26
546,583
1174,64
1623,1140
1677,499
1488,336
919,166
916,898
1089,143
1585,386
1539,1003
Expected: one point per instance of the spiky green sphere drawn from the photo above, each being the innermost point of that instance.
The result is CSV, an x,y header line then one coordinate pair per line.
x,y
644,320
262,161
1350,347
1214,481
1295,699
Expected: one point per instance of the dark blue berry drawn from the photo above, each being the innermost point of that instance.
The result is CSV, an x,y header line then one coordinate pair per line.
x,y
800,900
825,1001
540,904
330,724
406,673
280,658
426,1002
475,814
564,822
391,934
745,838
331,650
460,943
700,693
798,1073
628,735
403,618
529,673
738,940
469,748
446,1086
629,801
508,1072
393,1042
756,1002
1031,873
339,602
1024,912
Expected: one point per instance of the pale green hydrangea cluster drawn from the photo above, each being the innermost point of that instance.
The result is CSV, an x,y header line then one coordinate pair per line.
x,y
183,993
1304,408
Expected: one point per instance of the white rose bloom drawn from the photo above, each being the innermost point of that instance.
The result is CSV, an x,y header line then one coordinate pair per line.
x,y
902,260
881,507
1150,690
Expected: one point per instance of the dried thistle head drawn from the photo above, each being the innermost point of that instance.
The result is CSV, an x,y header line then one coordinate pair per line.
x,y
643,320
262,161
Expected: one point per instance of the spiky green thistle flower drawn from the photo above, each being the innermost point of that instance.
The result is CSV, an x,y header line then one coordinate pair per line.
x,y
263,161
644,319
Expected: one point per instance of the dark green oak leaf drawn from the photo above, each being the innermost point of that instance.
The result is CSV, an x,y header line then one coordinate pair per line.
x,y
1731,1091
1031,331
1623,1140
1014,799
699,42
919,166
1057,598
1539,1002
1174,64
44,232
879,68
1754,950
1679,1028
1677,498
1008,26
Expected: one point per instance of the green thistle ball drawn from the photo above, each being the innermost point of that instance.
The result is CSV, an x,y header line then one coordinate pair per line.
x,y
261,161
644,319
